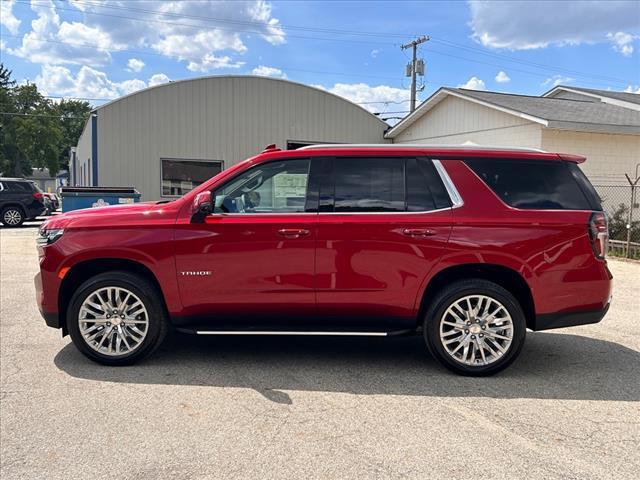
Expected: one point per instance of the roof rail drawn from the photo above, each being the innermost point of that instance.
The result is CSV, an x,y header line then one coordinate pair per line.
x,y
417,146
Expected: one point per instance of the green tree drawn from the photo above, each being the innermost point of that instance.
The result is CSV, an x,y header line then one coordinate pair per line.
x,y
34,131
73,116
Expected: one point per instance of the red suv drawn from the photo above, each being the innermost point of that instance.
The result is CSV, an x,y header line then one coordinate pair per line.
x,y
467,247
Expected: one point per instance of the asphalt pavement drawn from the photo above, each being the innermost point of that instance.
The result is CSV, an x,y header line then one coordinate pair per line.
x,y
314,408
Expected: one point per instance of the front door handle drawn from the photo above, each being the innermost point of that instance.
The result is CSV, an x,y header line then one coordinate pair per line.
x,y
418,232
293,232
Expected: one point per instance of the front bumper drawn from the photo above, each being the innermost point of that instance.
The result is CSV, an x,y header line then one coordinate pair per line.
x,y
548,321
52,319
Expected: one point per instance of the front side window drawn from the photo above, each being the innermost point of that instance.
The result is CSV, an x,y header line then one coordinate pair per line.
x,y
274,187
181,176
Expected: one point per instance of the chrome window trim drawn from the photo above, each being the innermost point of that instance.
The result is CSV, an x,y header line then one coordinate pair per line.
x,y
454,195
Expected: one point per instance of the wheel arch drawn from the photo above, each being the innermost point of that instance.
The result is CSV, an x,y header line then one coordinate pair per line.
x,y
84,270
506,277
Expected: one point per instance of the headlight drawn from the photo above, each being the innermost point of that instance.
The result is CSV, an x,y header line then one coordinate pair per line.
x,y
47,237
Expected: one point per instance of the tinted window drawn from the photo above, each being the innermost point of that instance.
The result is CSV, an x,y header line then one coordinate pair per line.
x,y
274,187
369,185
19,187
181,176
424,187
587,188
532,184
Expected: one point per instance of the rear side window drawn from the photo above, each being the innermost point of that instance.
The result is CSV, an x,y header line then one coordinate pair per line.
x,y
424,188
369,185
532,184
585,185
381,184
19,187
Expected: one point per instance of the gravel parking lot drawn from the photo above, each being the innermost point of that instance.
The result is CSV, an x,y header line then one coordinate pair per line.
x,y
314,407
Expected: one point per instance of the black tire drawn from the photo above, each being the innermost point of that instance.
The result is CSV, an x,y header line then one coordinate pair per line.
x,y
15,213
148,295
449,295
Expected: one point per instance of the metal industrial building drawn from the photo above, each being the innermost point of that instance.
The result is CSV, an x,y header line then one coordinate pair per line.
x,y
166,139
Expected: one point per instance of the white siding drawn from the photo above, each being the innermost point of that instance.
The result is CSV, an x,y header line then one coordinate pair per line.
x,y
83,154
456,121
609,156
217,118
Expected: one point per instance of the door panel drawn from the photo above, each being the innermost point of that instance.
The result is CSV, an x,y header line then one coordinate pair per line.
x,y
250,264
372,265
253,259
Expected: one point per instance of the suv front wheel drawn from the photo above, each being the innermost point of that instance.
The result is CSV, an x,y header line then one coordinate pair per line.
x,y
475,327
116,318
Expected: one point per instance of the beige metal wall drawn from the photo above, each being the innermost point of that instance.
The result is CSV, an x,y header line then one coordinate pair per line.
x,y
217,118
456,121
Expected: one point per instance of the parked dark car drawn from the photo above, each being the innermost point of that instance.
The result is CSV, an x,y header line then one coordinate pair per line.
x,y
466,247
20,200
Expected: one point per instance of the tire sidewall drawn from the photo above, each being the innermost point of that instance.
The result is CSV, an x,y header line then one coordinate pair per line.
x,y
138,286
17,209
463,289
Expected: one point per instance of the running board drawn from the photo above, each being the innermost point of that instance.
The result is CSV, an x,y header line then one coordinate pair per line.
x,y
297,332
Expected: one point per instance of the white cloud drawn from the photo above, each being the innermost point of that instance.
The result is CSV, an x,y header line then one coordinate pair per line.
x,y
264,71
375,52
623,42
158,79
502,77
187,31
135,65
530,24
558,80
211,62
89,83
474,83
52,41
7,18
633,89
375,99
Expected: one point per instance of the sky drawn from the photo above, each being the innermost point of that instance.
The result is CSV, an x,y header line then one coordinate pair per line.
x,y
100,50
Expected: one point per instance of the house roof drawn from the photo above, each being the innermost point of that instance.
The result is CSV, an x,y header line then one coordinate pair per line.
x,y
602,95
555,113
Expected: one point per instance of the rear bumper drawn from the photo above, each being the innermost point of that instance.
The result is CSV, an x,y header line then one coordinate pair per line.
x,y
548,321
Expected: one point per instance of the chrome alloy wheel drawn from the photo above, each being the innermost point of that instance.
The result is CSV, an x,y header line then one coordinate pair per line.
x,y
113,321
476,330
12,217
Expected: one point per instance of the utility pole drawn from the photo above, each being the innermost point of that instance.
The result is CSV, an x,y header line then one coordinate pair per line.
x,y
414,67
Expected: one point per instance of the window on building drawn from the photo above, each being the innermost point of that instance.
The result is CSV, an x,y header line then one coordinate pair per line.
x,y
369,185
274,187
181,176
532,184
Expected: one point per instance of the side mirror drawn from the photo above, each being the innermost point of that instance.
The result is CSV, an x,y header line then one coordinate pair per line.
x,y
201,207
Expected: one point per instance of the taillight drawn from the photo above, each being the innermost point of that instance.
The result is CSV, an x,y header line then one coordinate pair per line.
x,y
38,195
599,234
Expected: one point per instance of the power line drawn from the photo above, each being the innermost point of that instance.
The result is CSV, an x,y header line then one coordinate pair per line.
x,y
331,31
38,115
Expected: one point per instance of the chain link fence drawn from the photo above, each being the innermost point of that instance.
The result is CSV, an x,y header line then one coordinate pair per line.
x,y
621,205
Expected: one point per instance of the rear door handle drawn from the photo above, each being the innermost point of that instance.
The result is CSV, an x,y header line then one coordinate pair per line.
x,y
293,232
418,232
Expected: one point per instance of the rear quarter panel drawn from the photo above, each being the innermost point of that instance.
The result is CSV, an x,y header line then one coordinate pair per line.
x,y
551,249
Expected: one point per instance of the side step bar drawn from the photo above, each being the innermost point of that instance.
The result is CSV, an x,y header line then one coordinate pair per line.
x,y
296,332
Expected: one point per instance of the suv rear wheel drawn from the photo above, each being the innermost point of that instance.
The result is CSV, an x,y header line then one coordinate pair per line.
x,y
12,216
116,318
475,327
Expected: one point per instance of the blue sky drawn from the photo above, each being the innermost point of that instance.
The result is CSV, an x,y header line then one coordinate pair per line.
x,y
104,49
